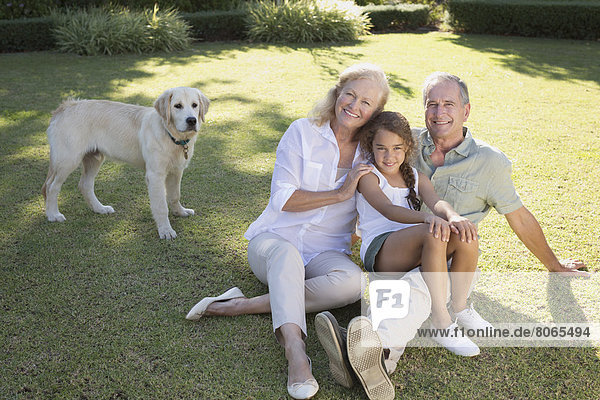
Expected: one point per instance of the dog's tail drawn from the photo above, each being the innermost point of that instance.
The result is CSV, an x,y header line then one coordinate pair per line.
x,y
49,177
61,108
64,105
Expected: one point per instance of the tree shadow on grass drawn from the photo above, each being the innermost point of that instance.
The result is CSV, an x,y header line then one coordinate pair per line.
x,y
324,57
555,59
229,50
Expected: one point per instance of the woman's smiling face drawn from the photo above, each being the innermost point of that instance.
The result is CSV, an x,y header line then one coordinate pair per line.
x,y
356,103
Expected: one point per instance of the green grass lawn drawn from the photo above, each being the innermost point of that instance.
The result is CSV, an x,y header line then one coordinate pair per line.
x,y
94,308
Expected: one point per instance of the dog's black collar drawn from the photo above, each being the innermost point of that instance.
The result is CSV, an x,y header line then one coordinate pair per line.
x,y
178,142
183,143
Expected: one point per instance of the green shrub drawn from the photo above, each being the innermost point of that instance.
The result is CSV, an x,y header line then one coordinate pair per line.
x,y
180,5
29,34
165,31
10,9
571,20
369,2
102,31
25,8
217,25
398,17
306,21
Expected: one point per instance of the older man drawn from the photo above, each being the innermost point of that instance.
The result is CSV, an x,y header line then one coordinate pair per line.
x,y
473,177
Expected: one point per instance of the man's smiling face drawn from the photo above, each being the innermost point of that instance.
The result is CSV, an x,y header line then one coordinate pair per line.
x,y
445,114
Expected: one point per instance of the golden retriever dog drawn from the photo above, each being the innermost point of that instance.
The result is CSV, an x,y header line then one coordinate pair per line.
x,y
160,140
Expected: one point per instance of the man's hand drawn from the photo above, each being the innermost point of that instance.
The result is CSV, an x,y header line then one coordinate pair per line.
x,y
464,228
571,267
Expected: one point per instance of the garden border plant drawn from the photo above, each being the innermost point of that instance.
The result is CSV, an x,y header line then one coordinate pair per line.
x,y
106,31
538,18
306,21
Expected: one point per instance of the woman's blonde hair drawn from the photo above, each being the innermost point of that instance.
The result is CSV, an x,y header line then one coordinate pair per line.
x,y
324,110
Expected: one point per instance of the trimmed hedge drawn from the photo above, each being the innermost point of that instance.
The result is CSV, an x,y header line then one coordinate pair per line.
x,y
12,9
217,25
398,17
542,18
32,34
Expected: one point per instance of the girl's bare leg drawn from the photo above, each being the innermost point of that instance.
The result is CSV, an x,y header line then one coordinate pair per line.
x,y
464,263
405,249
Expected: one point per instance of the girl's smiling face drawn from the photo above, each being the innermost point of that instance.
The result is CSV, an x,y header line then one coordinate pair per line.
x,y
389,151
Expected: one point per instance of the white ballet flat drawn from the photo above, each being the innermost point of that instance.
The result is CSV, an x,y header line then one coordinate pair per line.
x,y
304,390
199,309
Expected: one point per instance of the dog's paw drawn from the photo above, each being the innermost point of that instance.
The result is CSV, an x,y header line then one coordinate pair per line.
x,y
58,217
184,212
104,210
167,233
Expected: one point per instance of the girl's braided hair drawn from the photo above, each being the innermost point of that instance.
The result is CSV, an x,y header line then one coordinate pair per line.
x,y
393,122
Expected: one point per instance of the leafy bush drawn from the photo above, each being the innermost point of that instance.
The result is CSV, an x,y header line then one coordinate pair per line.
x,y
369,2
398,17
29,34
12,9
217,25
306,21
25,8
102,31
181,5
572,20
165,31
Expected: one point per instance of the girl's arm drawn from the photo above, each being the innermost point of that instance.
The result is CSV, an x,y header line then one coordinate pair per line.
x,y
368,186
460,225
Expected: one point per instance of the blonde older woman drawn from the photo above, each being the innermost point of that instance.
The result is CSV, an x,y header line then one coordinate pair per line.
x,y
299,245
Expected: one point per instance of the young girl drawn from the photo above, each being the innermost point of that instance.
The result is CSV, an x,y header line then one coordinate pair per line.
x,y
397,236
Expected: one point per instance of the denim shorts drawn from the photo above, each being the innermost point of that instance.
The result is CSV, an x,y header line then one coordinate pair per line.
x,y
373,250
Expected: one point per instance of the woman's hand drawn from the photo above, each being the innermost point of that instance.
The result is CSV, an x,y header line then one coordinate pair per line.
x,y
464,228
349,187
438,227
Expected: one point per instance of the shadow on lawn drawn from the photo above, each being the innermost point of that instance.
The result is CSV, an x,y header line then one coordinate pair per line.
x,y
343,59
566,60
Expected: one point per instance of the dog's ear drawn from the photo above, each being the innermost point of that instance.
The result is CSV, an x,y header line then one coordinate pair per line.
x,y
163,105
204,103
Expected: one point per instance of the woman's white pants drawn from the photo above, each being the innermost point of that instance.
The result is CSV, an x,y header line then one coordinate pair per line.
x,y
328,281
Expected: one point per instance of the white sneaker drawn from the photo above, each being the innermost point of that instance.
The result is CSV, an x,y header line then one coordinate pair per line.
x,y
453,339
470,319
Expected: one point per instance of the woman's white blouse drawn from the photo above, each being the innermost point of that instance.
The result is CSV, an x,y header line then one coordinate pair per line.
x,y
306,159
370,221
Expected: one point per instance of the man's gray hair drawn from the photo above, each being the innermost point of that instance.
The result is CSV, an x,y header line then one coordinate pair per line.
x,y
441,77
